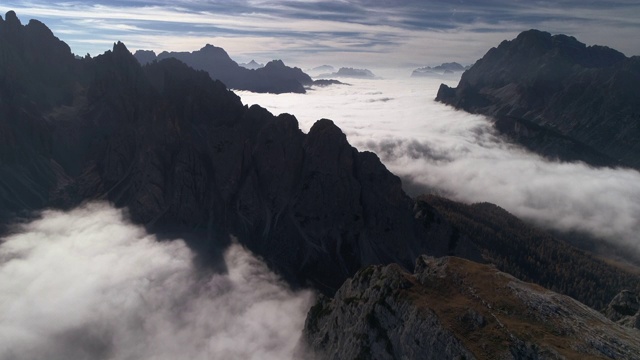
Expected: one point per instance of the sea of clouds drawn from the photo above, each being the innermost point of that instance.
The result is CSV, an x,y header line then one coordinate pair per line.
x,y
435,148
87,284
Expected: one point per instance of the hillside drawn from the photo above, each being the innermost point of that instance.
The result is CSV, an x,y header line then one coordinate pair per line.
x,y
533,255
451,308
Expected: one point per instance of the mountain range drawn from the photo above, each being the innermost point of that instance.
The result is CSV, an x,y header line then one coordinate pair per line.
x,y
187,159
558,97
274,77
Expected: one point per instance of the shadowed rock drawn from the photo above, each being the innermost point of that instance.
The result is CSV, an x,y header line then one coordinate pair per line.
x,y
558,97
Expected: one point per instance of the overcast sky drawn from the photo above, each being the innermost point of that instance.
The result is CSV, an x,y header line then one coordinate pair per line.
x,y
367,33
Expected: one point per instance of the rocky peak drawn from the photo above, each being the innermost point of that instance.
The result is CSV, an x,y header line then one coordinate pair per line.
x,y
556,96
11,19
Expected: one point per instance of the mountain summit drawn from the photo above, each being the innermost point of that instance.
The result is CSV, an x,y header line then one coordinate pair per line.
x,y
558,97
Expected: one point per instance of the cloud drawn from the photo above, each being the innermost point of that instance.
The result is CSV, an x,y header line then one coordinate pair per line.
x,y
89,285
436,148
308,33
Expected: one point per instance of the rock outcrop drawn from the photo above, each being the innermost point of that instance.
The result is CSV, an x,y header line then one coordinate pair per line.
x,y
558,97
187,159
451,308
625,309
274,77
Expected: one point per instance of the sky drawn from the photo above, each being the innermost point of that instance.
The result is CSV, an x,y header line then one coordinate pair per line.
x,y
435,148
360,33
88,284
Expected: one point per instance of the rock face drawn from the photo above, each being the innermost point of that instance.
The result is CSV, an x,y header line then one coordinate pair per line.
x,y
558,97
451,308
187,159
274,77
625,309
444,68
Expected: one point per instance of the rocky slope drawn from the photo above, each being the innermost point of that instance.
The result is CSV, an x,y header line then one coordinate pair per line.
x,y
274,77
187,159
532,254
557,96
625,309
451,308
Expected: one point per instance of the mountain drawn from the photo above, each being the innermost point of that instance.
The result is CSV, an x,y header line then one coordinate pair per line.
x,y
444,68
188,159
274,77
558,97
252,65
451,308
351,73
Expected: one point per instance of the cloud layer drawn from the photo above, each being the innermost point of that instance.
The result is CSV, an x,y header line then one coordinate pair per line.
x,y
353,33
436,148
89,285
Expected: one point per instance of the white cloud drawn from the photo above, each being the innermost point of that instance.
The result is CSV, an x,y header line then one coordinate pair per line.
x,y
89,285
459,155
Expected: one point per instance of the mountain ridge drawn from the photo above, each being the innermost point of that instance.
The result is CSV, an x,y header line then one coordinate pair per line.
x,y
274,77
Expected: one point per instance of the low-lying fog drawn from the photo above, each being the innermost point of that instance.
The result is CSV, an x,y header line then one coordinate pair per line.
x,y
90,285
436,148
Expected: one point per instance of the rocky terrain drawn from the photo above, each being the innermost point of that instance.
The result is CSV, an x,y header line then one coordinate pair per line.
x,y
274,77
625,309
451,308
532,254
188,159
558,97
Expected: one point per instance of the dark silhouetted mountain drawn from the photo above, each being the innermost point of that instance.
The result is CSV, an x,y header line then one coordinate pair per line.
x,y
558,97
445,68
274,77
451,308
188,159
351,73
252,65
